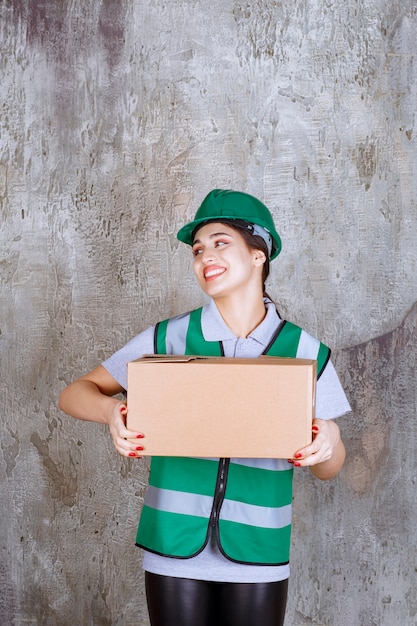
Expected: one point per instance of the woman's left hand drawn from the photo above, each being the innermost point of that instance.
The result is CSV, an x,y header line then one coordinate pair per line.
x,y
326,454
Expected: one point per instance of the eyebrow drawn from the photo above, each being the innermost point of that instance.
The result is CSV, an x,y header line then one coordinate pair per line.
x,y
214,235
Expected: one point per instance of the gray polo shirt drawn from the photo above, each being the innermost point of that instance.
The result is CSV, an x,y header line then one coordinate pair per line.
x,y
331,402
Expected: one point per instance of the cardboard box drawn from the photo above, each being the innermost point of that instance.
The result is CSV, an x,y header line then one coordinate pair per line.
x,y
222,407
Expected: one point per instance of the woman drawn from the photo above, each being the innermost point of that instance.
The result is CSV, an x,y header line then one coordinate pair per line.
x,y
202,564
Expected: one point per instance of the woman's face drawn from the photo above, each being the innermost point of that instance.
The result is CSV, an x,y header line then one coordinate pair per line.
x,y
223,263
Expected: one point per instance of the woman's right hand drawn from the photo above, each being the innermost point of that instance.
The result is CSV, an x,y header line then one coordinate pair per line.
x,y
127,442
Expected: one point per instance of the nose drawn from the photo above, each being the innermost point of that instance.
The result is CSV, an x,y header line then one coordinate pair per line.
x,y
207,256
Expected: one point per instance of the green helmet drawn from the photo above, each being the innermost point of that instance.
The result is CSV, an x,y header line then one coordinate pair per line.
x,y
222,204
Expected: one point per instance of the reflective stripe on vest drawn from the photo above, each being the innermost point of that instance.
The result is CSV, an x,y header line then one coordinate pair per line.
x,y
251,514
199,505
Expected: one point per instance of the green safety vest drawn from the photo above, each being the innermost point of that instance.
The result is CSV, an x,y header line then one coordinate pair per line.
x,y
246,502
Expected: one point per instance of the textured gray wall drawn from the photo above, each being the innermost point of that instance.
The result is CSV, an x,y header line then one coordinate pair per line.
x,y
116,119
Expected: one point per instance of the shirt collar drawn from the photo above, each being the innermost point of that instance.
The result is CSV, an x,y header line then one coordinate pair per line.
x,y
215,328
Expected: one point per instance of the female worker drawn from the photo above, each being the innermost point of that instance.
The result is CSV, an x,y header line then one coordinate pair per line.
x,y
216,532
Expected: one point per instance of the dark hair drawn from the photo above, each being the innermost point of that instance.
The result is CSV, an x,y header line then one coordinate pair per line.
x,y
254,242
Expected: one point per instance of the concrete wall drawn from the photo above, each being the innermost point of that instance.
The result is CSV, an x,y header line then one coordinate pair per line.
x,y
116,119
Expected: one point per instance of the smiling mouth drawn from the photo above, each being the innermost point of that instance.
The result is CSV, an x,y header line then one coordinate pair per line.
x,y
214,272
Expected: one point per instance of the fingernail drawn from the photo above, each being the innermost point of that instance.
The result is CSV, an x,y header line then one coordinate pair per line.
x,y
298,455
132,453
297,464
123,409
139,447
290,461
140,436
315,429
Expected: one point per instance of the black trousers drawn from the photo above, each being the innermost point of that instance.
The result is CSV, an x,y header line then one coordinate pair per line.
x,y
187,602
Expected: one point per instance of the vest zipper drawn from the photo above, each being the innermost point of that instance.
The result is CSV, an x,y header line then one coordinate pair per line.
x,y
219,491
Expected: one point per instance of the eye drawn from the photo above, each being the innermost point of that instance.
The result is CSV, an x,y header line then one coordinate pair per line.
x,y
197,251
220,242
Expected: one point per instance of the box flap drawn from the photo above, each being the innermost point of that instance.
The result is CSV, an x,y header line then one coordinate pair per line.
x,y
170,358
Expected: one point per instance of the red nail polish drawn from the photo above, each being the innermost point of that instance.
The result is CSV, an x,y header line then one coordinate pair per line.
x,y
297,464
132,453
315,429
298,455
290,461
140,436
139,447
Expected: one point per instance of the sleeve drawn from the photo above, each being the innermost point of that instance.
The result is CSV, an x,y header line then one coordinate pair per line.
x,y
142,344
331,401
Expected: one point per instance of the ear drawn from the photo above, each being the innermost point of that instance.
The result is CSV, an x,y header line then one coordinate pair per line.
x,y
259,258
